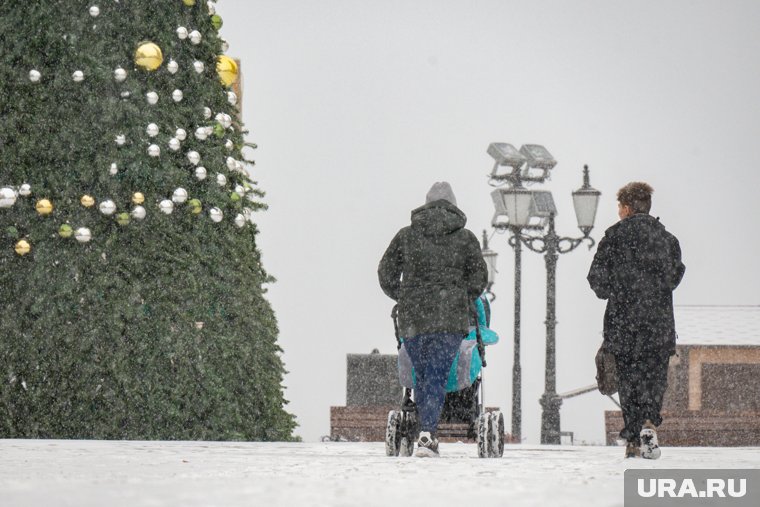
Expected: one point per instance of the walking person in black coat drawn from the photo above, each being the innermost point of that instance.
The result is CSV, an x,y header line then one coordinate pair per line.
x,y
636,268
435,271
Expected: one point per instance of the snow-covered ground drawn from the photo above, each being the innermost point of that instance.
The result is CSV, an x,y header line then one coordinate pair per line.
x,y
113,474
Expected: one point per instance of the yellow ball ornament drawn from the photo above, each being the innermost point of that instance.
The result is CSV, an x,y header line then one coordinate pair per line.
x,y
138,198
189,3
44,207
23,247
65,231
227,68
148,56
87,201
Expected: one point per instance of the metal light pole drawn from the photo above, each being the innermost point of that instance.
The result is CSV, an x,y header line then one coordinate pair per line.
x,y
516,369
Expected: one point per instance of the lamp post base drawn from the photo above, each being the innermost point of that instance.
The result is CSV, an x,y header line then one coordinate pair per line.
x,y
550,424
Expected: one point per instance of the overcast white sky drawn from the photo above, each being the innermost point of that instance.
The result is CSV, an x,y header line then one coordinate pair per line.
x,y
358,107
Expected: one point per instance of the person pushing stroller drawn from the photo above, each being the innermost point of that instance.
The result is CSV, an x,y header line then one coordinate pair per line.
x,y
434,270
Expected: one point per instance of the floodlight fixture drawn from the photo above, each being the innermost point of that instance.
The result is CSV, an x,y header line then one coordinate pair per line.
x,y
506,156
539,162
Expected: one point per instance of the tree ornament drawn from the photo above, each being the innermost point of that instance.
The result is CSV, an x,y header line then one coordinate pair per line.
x,y
229,144
87,201
221,179
174,144
195,37
181,134
107,207
154,150
44,207
78,76
240,220
148,56
177,95
225,46
239,167
172,67
228,71
125,94
94,11
232,98
199,66
239,190
152,130
23,247
218,130
201,134
211,8
207,112
189,3
166,206
152,98
234,197
138,212
194,157
216,22
122,219
121,139
34,76
200,173
7,197
119,74
83,235
65,231
182,32
216,214
231,163
180,195
114,169
138,198
195,206
25,190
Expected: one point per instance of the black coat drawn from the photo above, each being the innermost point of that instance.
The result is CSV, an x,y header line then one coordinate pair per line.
x,y
636,268
435,270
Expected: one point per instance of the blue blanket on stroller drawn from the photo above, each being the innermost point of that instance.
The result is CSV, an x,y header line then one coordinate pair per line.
x,y
467,364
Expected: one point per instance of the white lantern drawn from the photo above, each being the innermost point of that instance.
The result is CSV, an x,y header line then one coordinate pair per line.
x,y
585,202
172,66
200,173
180,195
174,144
83,235
152,130
107,207
154,150
7,197
194,157
119,74
152,98
216,214
166,206
182,32
177,95
138,212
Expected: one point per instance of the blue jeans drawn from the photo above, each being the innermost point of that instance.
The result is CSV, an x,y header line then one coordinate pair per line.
x,y
432,355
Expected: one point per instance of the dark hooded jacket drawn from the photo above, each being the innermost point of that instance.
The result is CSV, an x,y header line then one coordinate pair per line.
x,y
636,268
434,270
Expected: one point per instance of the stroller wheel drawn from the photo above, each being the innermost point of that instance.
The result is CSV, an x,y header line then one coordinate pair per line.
x,y
406,447
392,437
483,435
496,434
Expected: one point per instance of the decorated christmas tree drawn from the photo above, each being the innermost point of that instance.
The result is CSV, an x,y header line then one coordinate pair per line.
x,y
132,299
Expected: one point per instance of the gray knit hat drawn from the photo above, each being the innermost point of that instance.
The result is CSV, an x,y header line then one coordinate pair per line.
x,y
441,190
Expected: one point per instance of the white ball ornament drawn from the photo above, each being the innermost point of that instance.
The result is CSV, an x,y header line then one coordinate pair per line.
x,y
227,123
94,11
174,144
83,235
119,74
199,66
231,163
240,220
201,134
207,112
152,98
7,197
154,150
216,214
138,212
107,207
195,37
78,76
180,195
34,76
232,98
239,190
152,130
121,139
225,46
239,167
125,95
200,173
25,190
182,32
114,169
172,67
229,144
221,179
177,95
211,8
194,157
166,206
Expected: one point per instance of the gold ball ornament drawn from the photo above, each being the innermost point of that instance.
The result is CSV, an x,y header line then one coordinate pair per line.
x,y
227,68
138,198
65,231
148,56
189,3
195,206
87,201
44,207
23,247
122,219
216,22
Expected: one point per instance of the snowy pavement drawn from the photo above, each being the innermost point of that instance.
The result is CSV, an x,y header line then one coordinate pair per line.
x,y
189,474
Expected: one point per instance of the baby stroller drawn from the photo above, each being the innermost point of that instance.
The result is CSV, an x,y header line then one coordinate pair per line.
x,y
464,398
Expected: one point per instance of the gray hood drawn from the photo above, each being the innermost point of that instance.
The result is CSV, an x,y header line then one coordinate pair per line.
x,y
438,218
